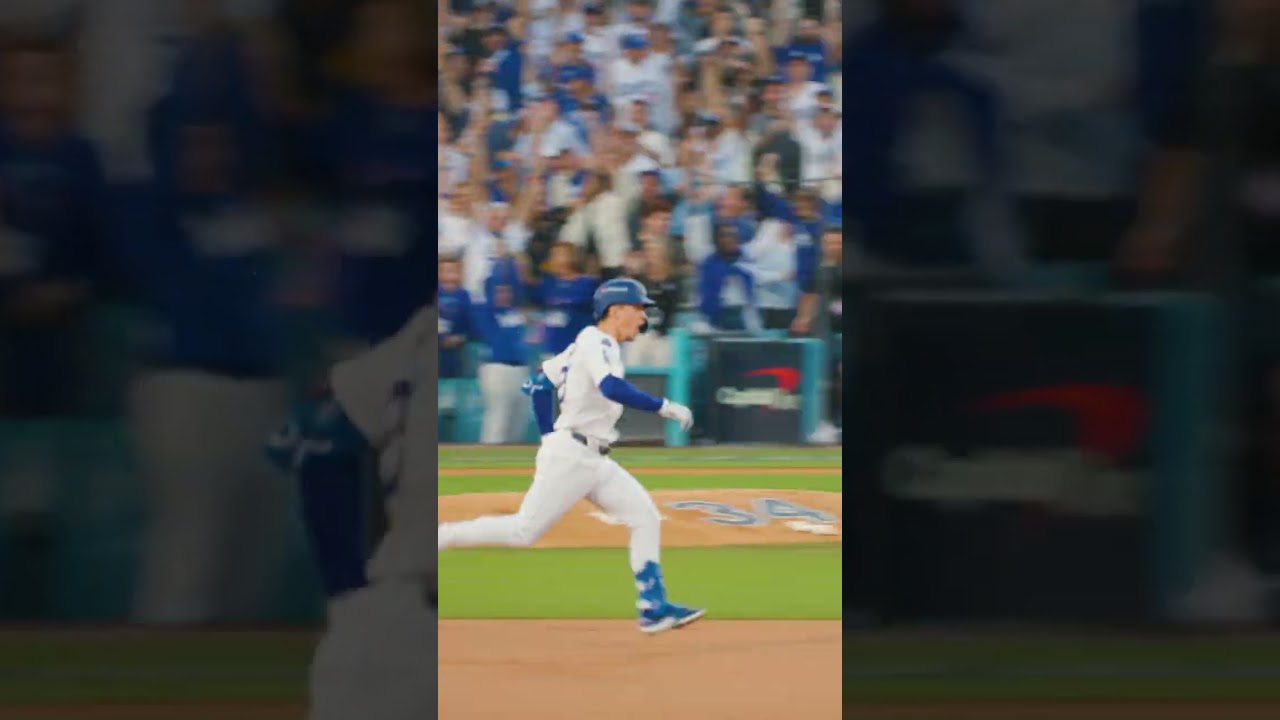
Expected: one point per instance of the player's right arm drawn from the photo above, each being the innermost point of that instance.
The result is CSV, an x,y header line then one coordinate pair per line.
x,y
322,448
600,359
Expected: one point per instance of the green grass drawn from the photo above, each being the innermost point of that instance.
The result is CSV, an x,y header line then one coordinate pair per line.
x,y
891,666
456,485
156,666
727,456
791,582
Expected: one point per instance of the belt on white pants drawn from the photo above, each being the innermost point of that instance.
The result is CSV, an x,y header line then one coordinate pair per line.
x,y
590,443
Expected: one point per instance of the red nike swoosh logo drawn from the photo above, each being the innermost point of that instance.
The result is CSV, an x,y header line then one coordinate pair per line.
x,y
788,378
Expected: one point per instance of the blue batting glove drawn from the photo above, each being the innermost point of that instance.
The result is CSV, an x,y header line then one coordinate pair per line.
x,y
536,383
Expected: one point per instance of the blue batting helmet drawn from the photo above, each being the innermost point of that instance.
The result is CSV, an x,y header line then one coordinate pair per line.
x,y
620,291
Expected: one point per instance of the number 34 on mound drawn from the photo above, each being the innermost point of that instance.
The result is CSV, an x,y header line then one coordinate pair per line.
x,y
762,512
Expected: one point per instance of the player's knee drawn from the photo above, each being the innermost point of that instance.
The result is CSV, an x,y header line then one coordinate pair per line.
x,y
525,533
646,517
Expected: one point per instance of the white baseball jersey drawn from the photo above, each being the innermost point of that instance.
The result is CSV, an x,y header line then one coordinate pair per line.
x,y
388,392
577,373
649,80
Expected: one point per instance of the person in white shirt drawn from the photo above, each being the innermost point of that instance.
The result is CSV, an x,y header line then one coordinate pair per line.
x,y
549,21
822,152
654,143
727,151
453,162
573,461
640,75
800,93
771,259
640,159
599,43
559,135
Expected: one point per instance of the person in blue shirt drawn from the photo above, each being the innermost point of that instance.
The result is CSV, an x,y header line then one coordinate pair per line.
x,y
726,291
501,324
454,304
51,205
201,255
376,145
504,63
565,295
504,185
808,43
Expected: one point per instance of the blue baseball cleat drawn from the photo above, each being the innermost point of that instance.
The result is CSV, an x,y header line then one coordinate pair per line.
x,y
657,614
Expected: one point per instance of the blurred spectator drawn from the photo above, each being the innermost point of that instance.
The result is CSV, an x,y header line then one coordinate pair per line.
x,y
199,249
565,294
923,133
726,288
374,146
771,257
630,146
454,304
653,347
503,327
51,215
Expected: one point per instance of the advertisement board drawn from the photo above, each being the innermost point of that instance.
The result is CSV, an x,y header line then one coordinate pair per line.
x,y
756,390
1009,456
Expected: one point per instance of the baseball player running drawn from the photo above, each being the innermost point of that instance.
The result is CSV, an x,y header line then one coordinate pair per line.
x,y
379,647
573,461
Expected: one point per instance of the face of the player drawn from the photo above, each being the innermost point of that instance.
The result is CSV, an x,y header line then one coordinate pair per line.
x,y
628,319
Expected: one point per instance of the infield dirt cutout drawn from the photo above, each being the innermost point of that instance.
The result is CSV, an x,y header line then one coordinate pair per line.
x,y
608,670
690,518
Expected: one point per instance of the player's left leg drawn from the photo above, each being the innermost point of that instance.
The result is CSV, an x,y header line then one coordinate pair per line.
x,y
564,473
377,656
621,495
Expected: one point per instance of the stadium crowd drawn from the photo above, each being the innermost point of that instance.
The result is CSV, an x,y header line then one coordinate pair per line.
x,y
202,204
696,147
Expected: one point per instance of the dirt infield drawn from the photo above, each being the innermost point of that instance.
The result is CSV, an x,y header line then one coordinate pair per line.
x,y
690,518
663,470
553,670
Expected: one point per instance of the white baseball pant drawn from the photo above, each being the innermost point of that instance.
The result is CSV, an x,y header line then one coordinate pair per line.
x,y
377,658
218,512
565,472
506,409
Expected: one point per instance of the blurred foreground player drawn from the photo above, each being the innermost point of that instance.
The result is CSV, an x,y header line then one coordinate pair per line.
x,y
378,653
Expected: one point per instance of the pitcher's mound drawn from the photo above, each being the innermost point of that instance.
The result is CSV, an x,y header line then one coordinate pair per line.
x,y
712,670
